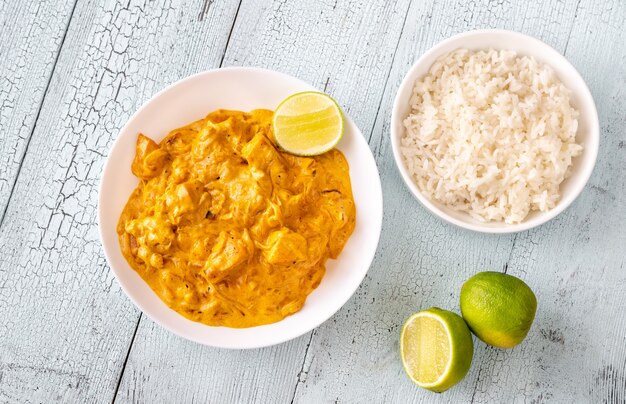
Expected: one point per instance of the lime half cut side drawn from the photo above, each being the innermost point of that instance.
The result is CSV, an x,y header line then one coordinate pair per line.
x,y
436,348
308,124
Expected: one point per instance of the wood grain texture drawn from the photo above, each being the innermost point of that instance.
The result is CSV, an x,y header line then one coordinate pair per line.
x,y
421,262
65,324
29,46
164,368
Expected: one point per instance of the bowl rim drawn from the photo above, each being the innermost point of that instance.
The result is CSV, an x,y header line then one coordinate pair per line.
x,y
591,144
253,344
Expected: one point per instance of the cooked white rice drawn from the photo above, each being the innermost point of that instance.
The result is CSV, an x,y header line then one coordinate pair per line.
x,y
491,134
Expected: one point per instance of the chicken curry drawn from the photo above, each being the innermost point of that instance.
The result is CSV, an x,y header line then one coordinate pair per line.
x,y
227,229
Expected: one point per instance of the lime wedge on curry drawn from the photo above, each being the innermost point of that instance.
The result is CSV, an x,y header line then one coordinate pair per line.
x,y
308,124
436,348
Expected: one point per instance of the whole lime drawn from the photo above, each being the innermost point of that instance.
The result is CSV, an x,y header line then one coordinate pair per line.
x,y
498,308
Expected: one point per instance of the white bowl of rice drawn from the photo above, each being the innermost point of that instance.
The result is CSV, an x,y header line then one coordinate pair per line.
x,y
494,131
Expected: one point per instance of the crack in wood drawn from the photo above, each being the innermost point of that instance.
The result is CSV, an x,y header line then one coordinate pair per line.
x,y
298,380
571,28
393,58
480,368
130,347
204,10
45,93
508,260
230,33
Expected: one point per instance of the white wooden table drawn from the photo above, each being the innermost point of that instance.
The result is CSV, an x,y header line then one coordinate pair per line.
x,y
72,72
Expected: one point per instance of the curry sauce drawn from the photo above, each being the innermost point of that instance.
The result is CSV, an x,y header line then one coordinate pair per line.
x,y
227,229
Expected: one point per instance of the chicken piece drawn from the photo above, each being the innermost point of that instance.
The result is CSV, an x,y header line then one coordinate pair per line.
x,y
340,212
285,247
260,153
267,221
149,158
245,199
206,144
229,252
152,232
187,201
178,142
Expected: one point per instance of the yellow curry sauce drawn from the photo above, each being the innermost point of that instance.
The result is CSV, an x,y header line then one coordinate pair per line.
x,y
227,229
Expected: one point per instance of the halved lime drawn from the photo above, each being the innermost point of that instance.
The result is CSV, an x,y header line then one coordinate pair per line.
x,y
308,124
436,348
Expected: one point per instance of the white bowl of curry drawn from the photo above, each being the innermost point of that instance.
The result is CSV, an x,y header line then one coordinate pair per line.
x,y
219,236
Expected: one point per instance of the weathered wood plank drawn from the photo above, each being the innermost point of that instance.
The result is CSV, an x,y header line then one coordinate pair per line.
x,y
421,262
29,44
346,48
65,324
164,368
576,264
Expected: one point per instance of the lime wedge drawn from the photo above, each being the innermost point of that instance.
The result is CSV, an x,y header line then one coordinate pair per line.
x,y
308,124
436,349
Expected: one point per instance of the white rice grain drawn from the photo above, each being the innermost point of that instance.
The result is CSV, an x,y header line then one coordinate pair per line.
x,y
491,134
